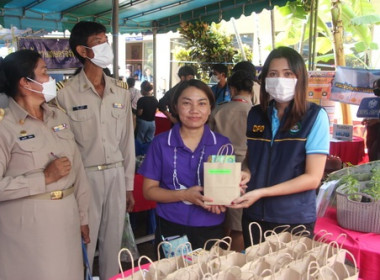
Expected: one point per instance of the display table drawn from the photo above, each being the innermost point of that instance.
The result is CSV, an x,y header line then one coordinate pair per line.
x,y
348,151
141,204
162,123
129,272
364,246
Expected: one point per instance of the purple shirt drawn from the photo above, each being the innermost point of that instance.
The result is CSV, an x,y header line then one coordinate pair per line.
x,y
159,165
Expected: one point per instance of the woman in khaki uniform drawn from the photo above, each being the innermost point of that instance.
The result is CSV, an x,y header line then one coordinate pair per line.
x,y
44,192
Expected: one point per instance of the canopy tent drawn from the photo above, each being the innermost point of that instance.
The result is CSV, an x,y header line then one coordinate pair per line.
x,y
133,15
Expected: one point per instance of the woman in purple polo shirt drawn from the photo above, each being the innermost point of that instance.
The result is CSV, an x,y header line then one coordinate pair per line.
x,y
173,169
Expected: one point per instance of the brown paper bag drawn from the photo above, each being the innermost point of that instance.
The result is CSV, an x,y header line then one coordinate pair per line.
x,y
139,275
222,177
221,182
257,250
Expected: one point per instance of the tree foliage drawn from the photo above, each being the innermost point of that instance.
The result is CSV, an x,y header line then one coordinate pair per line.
x,y
206,45
358,18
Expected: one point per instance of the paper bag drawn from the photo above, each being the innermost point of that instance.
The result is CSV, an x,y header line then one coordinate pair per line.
x,y
222,177
221,182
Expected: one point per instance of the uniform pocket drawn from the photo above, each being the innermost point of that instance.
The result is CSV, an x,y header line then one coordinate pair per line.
x,y
83,122
30,147
119,118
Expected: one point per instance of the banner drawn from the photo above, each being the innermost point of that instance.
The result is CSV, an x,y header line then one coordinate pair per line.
x,y
55,52
319,91
351,85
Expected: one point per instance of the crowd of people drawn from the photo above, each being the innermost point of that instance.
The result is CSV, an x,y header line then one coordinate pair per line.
x,y
67,159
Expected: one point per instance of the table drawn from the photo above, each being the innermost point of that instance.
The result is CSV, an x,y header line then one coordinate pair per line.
x,y
162,123
348,151
141,204
364,246
129,272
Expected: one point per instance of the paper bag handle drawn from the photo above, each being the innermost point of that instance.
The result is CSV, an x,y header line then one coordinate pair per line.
x,y
224,150
120,266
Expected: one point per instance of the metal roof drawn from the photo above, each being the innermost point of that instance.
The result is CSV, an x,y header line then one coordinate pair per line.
x,y
134,15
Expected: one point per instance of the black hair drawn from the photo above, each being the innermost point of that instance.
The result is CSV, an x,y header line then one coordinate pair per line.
x,y
186,71
220,68
246,66
131,82
191,83
80,33
241,80
146,86
17,65
297,65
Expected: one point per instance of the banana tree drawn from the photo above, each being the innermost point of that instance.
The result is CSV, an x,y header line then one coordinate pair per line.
x,y
357,18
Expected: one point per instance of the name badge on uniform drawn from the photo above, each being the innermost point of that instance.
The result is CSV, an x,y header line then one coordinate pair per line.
x,y
82,107
60,127
118,105
26,137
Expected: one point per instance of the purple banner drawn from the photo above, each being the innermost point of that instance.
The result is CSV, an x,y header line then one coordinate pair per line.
x,y
55,52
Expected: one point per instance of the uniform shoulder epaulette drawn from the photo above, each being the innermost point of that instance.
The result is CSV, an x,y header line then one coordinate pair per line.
x,y
54,103
2,114
121,84
60,85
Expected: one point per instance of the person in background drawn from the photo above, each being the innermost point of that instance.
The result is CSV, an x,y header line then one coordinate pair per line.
x,y
146,111
288,142
251,69
128,73
100,113
185,73
229,119
221,91
173,169
373,130
147,76
137,81
44,192
138,72
135,95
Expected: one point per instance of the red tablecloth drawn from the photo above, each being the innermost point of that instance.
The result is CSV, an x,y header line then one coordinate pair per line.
x,y
162,123
348,151
364,246
141,204
129,272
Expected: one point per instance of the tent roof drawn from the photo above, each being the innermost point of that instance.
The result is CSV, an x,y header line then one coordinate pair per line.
x,y
134,15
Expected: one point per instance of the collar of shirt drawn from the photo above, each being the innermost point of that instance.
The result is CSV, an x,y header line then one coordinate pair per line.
x,y
21,114
85,84
175,139
246,98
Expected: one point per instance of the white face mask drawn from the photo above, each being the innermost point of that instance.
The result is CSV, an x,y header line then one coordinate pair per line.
x,y
214,79
49,89
281,89
103,55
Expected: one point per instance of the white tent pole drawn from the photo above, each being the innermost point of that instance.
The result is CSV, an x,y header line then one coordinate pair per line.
x,y
155,84
115,37
238,39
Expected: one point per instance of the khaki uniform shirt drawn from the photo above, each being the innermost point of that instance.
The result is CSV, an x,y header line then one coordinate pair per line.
x,y
103,127
230,120
28,145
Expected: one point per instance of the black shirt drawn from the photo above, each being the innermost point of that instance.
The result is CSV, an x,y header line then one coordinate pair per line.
x,y
149,106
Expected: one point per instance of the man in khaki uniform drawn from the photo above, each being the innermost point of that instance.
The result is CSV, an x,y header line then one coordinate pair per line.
x,y
101,118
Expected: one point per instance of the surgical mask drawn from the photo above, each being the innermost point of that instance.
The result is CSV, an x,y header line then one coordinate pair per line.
x,y
214,79
103,55
281,89
49,89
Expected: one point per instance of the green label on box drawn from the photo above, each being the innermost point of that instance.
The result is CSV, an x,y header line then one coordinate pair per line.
x,y
219,171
